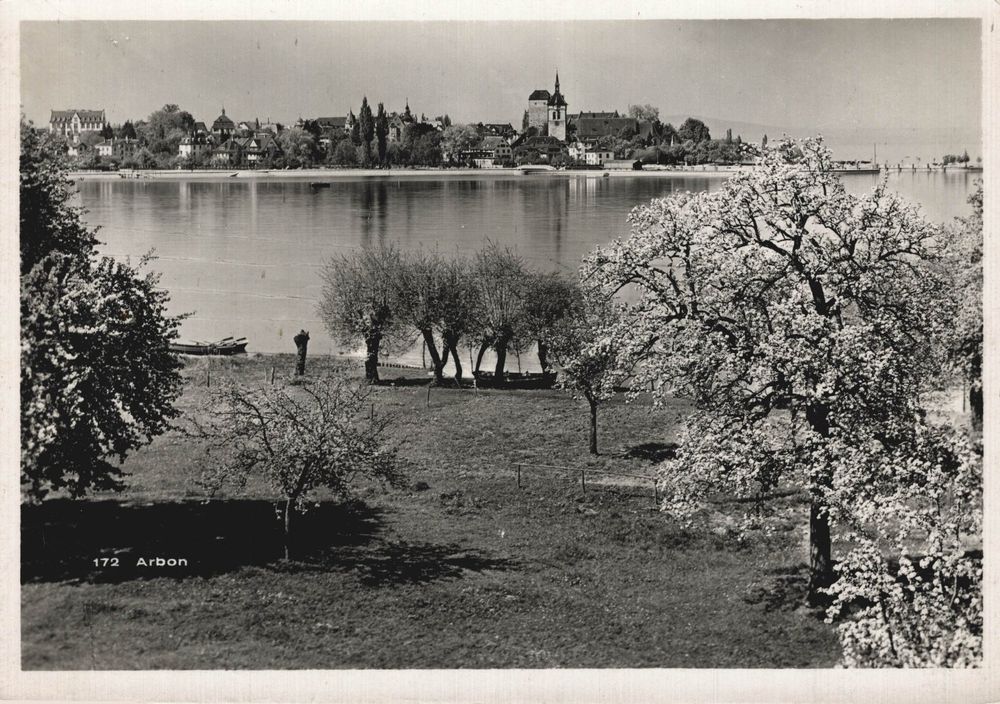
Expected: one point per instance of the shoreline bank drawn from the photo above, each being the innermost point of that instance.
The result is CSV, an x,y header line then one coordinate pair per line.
x,y
323,174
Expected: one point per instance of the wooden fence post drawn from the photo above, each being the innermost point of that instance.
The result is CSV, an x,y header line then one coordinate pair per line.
x,y
208,377
518,476
272,375
583,480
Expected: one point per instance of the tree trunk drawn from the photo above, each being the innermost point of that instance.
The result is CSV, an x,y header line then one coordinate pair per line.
x,y
820,559
593,424
501,347
543,356
976,406
453,346
479,358
289,507
976,393
301,343
371,361
436,364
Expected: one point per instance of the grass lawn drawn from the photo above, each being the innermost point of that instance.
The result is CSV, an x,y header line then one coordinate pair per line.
x,y
459,569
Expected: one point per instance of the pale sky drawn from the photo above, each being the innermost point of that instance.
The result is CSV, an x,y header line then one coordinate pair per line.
x,y
816,75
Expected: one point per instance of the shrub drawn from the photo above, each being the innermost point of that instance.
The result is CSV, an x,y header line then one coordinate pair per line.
x,y
298,438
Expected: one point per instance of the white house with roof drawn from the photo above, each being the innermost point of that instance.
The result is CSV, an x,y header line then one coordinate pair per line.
x,y
73,123
194,145
116,147
590,155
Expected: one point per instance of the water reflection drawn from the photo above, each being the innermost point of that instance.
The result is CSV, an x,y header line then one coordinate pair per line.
x,y
244,255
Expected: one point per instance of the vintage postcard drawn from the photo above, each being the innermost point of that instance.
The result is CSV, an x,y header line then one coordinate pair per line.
x,y
528,352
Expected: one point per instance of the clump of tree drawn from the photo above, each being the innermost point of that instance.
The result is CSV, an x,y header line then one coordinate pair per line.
x,y
299,148
300,439
162,132
360,299
97,377
693,130
493,302
421,145
126,131
344,153
366,126
382,134
646,112
783,296
458,138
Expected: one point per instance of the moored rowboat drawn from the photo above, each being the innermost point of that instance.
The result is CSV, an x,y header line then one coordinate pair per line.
x,y
227,346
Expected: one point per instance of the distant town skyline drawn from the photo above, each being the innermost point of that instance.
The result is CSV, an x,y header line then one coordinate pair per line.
x,y
919,78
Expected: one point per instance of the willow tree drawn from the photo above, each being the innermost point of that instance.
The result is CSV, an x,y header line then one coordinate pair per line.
x,y
550,299
456,311
360,299
423,293
783,297
500,279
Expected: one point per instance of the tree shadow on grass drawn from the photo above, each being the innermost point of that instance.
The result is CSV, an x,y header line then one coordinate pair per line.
x,y
383,562
61,539
654,451
783,588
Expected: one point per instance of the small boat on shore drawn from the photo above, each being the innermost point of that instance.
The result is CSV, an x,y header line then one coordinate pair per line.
x,y
529,169
224,347
316,185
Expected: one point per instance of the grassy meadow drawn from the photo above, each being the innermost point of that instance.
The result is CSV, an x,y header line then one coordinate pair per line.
x,y
458,568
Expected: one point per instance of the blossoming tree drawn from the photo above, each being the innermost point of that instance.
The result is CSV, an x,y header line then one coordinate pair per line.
x,y
804,321
967,341
97,376
300,439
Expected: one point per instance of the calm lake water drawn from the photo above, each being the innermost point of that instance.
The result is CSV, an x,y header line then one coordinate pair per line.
x,y
244,256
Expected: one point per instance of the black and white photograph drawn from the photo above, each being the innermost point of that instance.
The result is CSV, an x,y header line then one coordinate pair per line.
x,y
592,340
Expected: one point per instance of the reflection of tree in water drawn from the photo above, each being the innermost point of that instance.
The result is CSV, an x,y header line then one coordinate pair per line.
x,y
370,202
548,219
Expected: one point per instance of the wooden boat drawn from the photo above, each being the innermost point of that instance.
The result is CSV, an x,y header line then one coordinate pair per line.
x,y
319,184
226,346
529,169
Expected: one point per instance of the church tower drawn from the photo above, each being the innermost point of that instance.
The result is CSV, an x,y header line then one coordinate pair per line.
x,y
557,113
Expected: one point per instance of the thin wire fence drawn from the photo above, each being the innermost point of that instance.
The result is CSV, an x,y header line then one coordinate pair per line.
x,y
520,467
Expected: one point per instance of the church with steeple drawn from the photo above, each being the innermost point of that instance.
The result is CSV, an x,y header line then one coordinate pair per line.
x,y
547,111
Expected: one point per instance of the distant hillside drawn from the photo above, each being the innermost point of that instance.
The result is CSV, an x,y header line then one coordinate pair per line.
x,y
898,144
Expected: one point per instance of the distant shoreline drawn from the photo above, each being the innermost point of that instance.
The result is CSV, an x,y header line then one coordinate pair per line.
x,y
322,174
